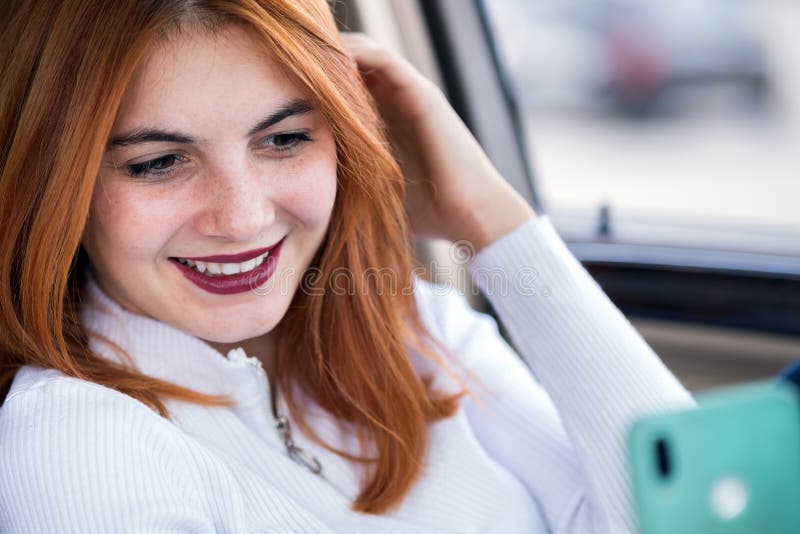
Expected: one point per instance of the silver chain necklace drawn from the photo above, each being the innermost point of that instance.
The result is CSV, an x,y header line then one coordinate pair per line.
x,y
284,429
281,421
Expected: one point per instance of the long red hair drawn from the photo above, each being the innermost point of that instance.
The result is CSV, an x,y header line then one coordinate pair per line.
x,y
65,69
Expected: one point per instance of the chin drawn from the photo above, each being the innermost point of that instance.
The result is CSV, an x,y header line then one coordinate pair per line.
x,y
221,334
238,323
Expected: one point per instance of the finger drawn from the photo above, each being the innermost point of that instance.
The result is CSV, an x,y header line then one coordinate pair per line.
x,y
368,53
375,60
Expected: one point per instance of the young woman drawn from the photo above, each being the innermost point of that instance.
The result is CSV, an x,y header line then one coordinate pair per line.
x,y
208,317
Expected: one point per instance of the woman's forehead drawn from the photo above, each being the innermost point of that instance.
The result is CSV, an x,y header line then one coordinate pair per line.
x,y
201,74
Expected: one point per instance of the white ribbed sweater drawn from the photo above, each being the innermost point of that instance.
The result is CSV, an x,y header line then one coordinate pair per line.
x,y
540,455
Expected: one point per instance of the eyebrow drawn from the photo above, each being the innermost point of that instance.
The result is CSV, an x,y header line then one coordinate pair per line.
x,y
295,107
154,135
149,135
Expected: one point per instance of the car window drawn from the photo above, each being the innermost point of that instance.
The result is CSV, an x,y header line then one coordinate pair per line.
x,y
671,122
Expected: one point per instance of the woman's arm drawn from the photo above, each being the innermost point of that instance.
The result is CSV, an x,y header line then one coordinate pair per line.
x,y
598,371
595,367
563,432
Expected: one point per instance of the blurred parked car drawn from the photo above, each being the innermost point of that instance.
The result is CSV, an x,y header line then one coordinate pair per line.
x,y
628,55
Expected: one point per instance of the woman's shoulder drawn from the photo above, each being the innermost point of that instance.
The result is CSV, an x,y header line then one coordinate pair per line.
x,y
32,378
48,416
41,388
444,310
48,402
46,409
102,449
503,269
470,335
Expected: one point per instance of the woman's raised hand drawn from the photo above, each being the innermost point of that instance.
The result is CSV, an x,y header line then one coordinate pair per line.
x,y
454,191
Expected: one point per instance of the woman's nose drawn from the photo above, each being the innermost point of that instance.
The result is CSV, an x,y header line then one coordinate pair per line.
x,y
236,206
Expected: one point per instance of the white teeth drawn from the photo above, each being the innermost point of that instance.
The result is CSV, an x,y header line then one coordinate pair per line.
x,y
212,268
230,268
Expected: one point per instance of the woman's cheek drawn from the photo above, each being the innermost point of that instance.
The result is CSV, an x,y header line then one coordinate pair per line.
x,y
131,226
310,192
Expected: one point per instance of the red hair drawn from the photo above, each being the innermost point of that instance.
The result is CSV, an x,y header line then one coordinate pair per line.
x,y
65,69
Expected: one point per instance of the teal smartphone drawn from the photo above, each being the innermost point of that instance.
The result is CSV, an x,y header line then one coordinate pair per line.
x,y
731,466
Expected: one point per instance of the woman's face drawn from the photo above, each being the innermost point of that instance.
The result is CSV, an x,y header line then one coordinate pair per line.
x,y
215,152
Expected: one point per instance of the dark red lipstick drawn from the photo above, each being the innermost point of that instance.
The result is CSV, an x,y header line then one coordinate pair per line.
x,y
233,283
235,258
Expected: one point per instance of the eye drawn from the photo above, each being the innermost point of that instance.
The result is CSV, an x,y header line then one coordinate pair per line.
x,y
285,142
157,167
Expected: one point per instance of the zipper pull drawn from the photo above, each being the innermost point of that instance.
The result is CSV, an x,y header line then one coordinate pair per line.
x,y
296,453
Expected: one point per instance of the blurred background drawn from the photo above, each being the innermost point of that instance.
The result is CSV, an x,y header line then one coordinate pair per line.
x,y
686,110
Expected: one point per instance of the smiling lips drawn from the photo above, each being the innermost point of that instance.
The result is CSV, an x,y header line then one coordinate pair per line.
x,y
236,258
221,268
235,273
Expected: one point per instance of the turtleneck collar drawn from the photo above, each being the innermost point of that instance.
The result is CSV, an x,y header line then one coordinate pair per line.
x,y
163,351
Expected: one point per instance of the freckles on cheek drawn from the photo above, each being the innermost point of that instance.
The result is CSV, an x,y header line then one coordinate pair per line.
x,y
310,191
131,226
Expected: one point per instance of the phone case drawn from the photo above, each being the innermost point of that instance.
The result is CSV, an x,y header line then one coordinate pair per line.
x,y
732,466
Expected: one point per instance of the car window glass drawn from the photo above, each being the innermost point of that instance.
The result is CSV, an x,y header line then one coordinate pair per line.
x,y
682,113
